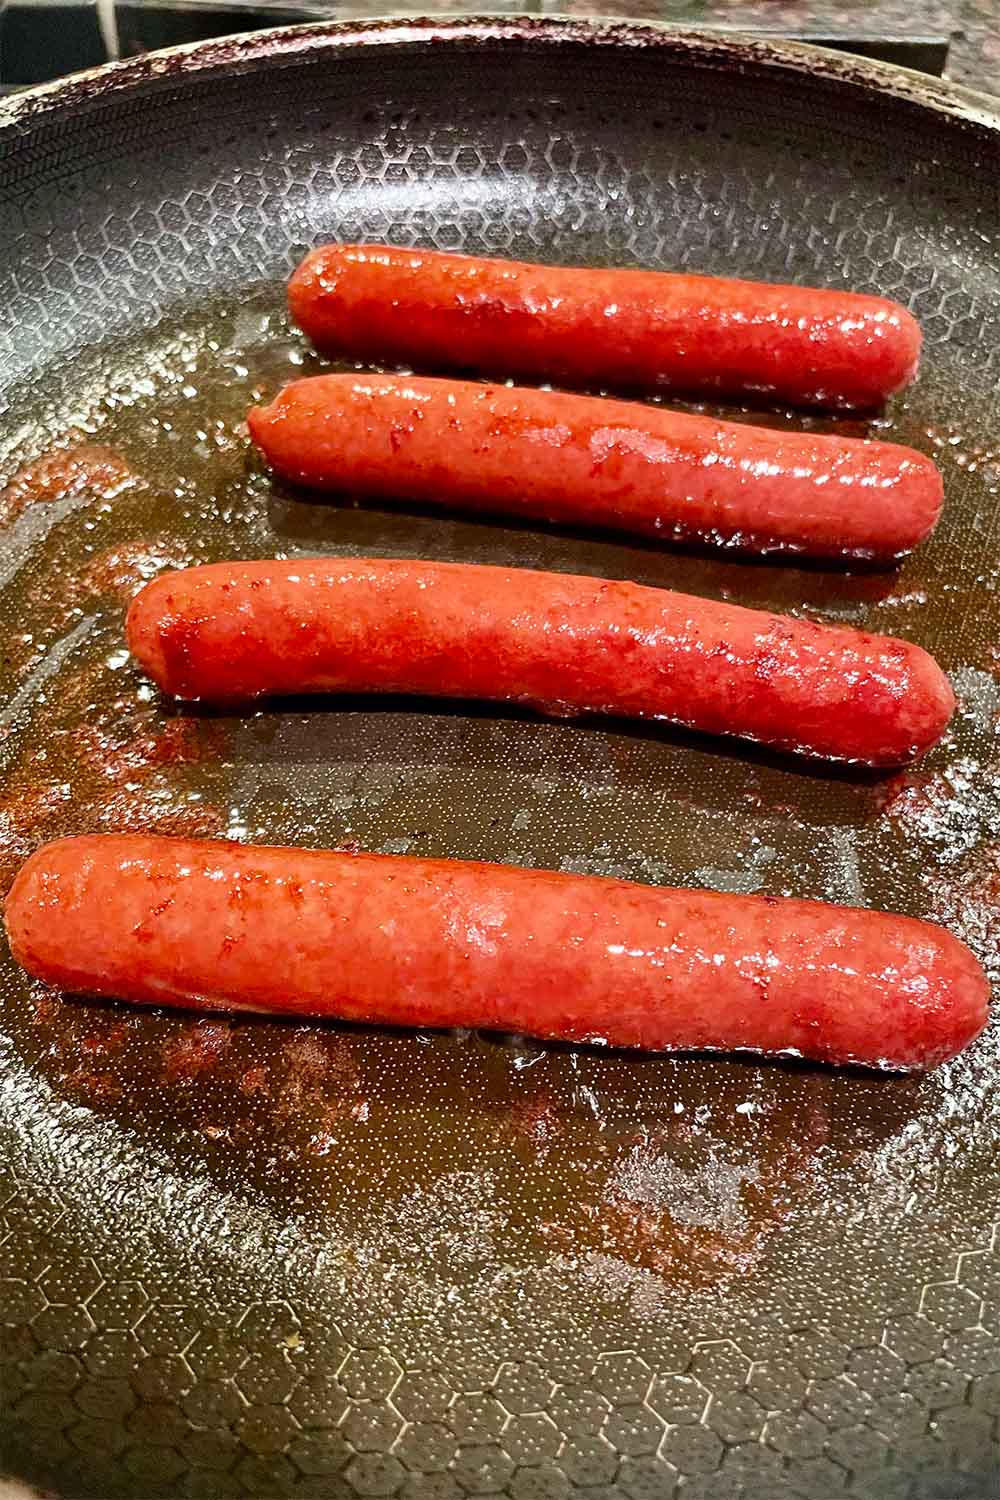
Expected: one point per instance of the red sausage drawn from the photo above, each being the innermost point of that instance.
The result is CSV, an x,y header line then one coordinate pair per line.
x,y
424,942
625,329
229,632
584,460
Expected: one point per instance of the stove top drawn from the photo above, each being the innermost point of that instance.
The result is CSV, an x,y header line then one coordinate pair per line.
x,y
44,39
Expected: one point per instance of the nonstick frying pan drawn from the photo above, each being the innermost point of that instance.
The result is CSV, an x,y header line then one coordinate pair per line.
x,y
252,1258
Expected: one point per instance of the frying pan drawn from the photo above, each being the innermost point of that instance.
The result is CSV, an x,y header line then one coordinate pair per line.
x,y
252,1258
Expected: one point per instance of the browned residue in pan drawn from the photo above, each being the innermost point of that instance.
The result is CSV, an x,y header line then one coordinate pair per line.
x,y
88,470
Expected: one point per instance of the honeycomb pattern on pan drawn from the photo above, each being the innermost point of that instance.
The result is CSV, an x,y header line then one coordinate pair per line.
x,y
193,1330
410,173
163,1399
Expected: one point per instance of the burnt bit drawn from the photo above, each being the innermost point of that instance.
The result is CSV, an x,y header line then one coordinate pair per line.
x,y
91,1087
347,845
195,1052
536,1124
63,474
122,571
24,812
685,1226
96,764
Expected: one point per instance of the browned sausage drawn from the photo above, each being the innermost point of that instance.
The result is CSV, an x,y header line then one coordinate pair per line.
x,y
588,462
236,631
621,329
420,942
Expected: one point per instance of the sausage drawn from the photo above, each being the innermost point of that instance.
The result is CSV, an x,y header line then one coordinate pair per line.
x,y
233,632
615,328
435,943
586,461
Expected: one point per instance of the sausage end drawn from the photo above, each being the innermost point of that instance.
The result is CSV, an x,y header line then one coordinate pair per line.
x,y
933,700
33,903
963,1002
147,626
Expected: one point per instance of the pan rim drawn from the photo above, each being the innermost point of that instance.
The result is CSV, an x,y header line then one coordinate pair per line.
x,y
720,50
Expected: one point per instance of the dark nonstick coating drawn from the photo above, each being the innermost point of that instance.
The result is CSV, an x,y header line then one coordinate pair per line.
x,y
259,1259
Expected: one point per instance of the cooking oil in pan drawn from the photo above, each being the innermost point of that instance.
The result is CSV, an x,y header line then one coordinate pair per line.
x,y
457,1192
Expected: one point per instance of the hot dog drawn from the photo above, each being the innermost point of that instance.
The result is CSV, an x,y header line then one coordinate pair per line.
x,y
232,632
585,461
621,329
431,943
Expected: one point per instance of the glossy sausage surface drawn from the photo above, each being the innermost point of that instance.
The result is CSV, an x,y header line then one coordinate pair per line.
x,y
584,461
232,632
616,328
432,943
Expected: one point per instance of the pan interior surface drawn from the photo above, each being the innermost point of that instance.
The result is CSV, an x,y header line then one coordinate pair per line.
x,y
252,1258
